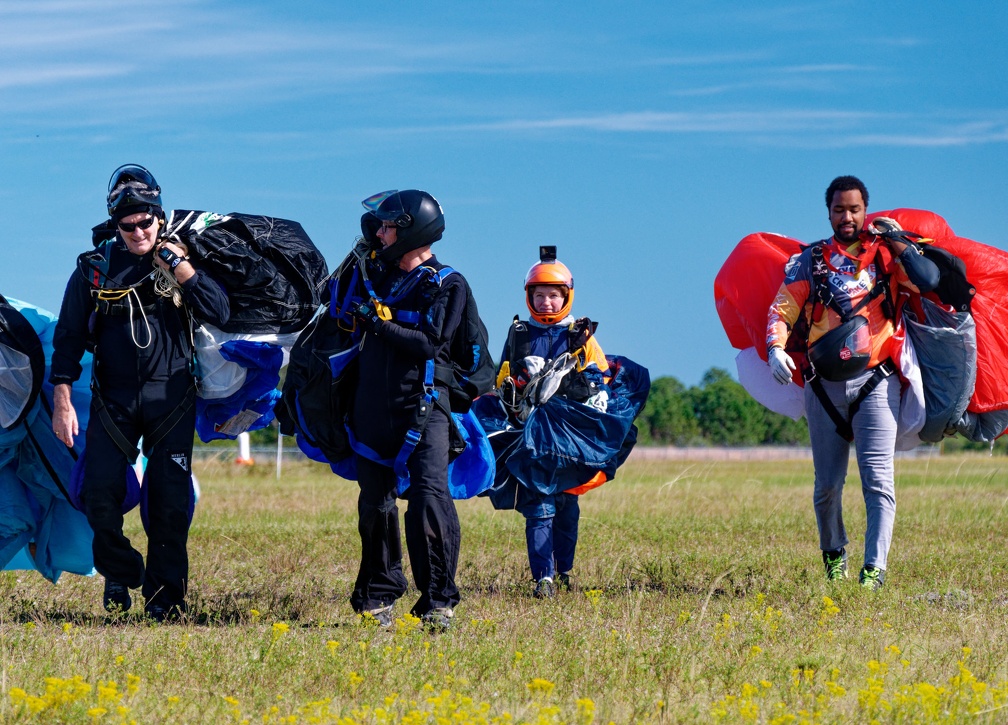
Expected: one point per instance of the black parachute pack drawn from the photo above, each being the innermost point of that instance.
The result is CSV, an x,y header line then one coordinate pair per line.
x,y
322,371
272,271
23,361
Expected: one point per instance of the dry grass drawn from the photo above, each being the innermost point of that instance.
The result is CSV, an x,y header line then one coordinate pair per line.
x,y
699,597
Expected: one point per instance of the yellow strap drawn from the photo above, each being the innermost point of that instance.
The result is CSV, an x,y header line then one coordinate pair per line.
x,y
384,311
505,372
112,295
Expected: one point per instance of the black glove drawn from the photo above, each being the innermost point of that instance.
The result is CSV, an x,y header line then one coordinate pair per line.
x,y
581,331
367,318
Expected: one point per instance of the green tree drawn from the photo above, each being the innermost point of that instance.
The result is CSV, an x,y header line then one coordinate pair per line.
x,y
726,413
668,418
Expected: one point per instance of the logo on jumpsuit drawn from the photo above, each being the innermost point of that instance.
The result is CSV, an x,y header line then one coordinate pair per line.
x,y
181,459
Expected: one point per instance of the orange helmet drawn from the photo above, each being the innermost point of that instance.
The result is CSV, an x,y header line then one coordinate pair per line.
x,y
549,272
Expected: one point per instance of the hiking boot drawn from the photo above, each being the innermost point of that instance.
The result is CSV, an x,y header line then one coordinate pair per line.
x,y
563,580
162,614
836,564
437,619
116,597
871,578
544,589
381,615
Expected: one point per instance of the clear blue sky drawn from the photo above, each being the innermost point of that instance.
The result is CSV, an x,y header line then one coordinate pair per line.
x,y
643,139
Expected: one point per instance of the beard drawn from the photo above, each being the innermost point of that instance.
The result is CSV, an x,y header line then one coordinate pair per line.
x,y
847,235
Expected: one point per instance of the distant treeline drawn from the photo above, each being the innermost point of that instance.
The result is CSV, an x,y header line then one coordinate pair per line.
x,y
719,412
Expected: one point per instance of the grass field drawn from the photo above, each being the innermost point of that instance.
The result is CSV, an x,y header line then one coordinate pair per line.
x,y
699,597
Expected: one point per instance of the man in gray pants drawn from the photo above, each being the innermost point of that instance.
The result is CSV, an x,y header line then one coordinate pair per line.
x,y
841,291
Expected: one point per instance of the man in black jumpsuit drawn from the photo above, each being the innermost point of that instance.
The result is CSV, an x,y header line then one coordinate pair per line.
x,y
393,359
142,386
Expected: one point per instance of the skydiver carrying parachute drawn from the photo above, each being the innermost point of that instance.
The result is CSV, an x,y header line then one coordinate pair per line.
x,y
131,300
560,420
840,289
894,345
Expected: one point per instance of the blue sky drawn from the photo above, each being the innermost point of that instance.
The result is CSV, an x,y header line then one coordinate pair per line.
x,y
643,139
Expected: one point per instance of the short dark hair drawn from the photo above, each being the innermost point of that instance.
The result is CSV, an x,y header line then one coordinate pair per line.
x,y
846,183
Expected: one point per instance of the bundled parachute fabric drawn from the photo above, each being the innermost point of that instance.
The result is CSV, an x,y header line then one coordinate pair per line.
x,y
274,277
317,391
39,527
238,378
23,364
945,346
272,271
564,444
322,376
749,279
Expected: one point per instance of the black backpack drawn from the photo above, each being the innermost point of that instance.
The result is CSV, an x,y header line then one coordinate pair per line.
x,y
314,401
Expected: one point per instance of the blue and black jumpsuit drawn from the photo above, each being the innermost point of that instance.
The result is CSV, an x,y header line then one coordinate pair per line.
x,y
392,366
142,374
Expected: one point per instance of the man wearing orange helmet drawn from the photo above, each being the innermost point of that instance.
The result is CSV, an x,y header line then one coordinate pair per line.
x,y
545,356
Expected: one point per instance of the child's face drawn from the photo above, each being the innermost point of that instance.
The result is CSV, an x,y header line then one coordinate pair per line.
x,y
548,299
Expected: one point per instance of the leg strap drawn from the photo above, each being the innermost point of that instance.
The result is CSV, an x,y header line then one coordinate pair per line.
x,y
131,451
843,426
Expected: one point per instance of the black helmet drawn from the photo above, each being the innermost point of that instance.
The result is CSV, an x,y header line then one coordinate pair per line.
x,y
843,352
417,215
132,189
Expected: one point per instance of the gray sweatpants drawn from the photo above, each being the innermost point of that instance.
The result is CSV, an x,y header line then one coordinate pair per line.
x,y
875,444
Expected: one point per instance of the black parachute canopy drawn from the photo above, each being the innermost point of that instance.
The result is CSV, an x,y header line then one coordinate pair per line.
x,y
272,271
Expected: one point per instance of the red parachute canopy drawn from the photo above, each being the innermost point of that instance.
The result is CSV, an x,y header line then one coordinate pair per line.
x,y
749,279
987,269
746,285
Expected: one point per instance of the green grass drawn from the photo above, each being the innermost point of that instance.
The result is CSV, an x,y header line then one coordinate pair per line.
x,y
699,597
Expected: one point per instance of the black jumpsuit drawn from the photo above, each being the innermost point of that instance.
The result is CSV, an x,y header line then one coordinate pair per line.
x,y
142,370
391,381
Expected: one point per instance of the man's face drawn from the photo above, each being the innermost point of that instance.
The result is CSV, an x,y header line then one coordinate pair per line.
x,y
847,215
387,234
138,240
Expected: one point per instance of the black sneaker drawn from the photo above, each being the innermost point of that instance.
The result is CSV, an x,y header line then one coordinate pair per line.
x,y
836,564
162,614
116,597
544,589
380,615
563,580
438,619
871,577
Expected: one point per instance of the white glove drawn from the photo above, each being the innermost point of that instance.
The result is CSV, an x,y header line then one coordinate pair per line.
x,y
781,365
883,224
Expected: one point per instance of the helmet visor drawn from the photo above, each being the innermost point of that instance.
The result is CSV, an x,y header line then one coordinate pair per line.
x,y
130,172
387,206
132,184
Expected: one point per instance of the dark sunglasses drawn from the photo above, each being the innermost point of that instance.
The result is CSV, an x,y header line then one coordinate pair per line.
x,y
145,224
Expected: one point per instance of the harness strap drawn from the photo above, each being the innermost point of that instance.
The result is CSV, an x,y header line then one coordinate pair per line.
x,y
824,296
844,427
131,451
425,406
